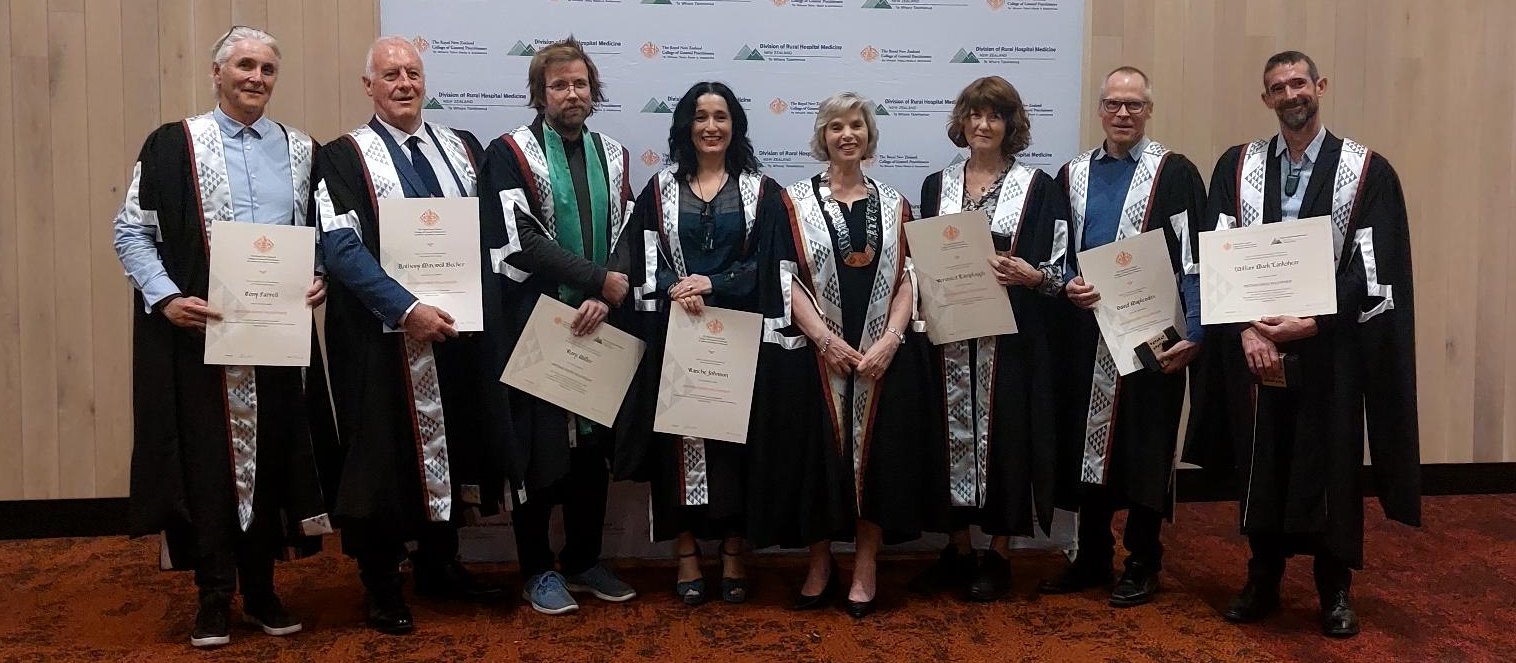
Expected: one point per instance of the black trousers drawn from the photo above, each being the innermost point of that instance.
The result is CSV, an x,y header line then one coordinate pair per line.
x,y
236,556
379,551
582,494
1097,543
1270,550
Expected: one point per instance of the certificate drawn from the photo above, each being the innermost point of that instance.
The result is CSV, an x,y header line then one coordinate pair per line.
x,y
1283,268
586,375
709,362
258,278
959,296
431,247
1139,297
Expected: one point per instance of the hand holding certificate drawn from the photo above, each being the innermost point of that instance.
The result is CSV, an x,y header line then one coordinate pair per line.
x,y
258,278
431,247
586,375
709,362
1270,269
1138,295
960,299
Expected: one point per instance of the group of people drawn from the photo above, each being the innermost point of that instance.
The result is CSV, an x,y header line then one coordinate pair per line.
x,y
861,429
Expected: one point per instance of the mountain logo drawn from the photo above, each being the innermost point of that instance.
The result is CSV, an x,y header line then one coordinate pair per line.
x,y
748,53
522,49
965,57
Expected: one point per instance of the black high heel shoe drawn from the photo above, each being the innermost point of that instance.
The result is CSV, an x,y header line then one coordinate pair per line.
x,y
805,601
691,592
733,590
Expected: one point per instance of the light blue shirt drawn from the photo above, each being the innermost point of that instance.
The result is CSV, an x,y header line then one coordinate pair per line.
x,y
262,191
1289,206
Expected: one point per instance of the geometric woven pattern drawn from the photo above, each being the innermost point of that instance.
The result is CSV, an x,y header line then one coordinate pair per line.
x,y
668,199
210,171
301,153
430,431
696,480
1097,430
1250,185
1351,167
457,155
242,429
536,160
382,175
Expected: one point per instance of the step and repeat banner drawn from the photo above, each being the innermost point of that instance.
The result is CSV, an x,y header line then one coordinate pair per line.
x,y
781,57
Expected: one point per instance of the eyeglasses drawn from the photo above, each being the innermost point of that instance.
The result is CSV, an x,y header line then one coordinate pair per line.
x,y
561,87
1115,105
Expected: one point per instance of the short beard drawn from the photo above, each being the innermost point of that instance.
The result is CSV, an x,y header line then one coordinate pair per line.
x,y
1285,116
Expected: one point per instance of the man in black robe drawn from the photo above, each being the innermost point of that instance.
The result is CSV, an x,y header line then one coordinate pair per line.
x,y
1298,449
408,408
1124,427
554,202
222,463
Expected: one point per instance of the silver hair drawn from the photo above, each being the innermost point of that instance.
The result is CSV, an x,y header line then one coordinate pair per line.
x,y
836,106
368,62
222,50
1147,83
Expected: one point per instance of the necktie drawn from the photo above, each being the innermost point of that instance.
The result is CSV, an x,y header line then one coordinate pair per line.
x,y
424,167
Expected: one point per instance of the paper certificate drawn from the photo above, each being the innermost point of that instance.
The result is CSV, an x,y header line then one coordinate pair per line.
x,y
959,296
431,247
1283,268
1139,297
259,275
709,362
586,375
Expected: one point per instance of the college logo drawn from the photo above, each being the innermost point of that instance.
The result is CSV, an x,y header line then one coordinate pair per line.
x,y
869,54
748,53
995,5
781,3
879,109
432,104
950,233
714,326
964,56
778,106
1123,259
429,218
877,4
1226,247
421,44
655,106
263,244
650,158
522,49
649,50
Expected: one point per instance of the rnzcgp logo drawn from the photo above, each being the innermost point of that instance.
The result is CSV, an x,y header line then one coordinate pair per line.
x,y
656,106
649,50
715,326
748,53
869,54
995,5
650,158
263,244
950,233
429,218
1123,258
778,106
421,44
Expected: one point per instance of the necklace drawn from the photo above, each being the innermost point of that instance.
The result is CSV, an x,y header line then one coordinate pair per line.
x,y
834,215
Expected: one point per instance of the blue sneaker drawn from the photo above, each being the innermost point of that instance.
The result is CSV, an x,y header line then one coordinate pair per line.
x,y
599,581
548,595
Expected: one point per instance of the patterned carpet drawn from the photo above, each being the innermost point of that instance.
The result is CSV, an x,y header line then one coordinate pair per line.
x,y
1446,592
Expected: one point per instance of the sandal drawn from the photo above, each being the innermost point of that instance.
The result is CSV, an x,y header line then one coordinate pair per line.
x,y
733,590
691,592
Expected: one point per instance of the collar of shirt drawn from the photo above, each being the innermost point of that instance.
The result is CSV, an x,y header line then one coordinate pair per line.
x,y
1311,151
400,136
232,128
1131,155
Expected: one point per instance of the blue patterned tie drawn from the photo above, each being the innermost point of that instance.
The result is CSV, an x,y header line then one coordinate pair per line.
x,y
424,167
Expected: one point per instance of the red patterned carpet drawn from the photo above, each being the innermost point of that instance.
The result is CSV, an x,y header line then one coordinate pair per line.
x,y
1446,592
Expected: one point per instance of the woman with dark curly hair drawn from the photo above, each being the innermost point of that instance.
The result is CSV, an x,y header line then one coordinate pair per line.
x,y
999,447
698,220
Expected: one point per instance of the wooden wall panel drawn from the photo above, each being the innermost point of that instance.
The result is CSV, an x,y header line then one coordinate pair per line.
x,y
1426,84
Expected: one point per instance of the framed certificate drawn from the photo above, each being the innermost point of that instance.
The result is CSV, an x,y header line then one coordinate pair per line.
x,y
960,299
586,375
1284,268
1139,297
709,362
258,278
431,247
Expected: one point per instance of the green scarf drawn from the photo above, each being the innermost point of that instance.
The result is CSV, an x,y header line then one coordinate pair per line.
x,y
566,204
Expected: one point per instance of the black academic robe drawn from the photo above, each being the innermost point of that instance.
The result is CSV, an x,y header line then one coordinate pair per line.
x,y
1129,449
826,451
1018,370
1297,452
518,234
705,473
388,451
182,481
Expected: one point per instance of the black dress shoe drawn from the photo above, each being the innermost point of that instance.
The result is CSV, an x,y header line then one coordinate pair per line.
x,y
805,601
387,613
1337,617
449,580
952,571
1137,586
1256,601
860,609
269,614
1078,577
993,581
211,622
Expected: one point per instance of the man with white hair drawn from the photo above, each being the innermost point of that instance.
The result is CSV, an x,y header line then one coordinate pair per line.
x,y
408,408
193,421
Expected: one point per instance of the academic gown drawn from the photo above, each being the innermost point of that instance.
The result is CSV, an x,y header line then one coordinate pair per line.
x,y
1298,452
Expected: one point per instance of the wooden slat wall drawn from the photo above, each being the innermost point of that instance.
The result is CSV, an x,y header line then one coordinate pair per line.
x,y
82,82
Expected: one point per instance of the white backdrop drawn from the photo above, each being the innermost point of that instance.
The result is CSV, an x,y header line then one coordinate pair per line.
x,y
781,57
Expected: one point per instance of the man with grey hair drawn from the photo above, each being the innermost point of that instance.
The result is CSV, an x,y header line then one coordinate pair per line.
x,y
408,409
193,421
1125,426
